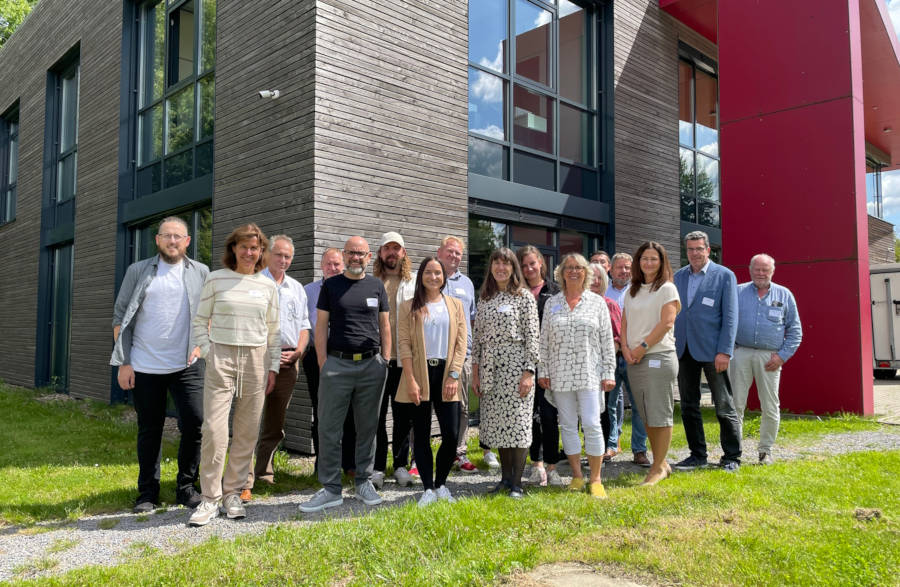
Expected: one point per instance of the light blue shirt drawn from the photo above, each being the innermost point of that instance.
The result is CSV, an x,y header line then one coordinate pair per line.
x,y
618,295
768,323
694,281
312,297
461,287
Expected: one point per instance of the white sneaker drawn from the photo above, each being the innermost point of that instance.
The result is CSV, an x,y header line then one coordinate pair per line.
x,y
233,507
402,476
538,476
553,479
321,500
203,513
444,493
428,498
377,479
490,459
366,493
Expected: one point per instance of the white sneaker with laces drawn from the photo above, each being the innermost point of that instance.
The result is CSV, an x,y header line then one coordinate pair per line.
x,y
538,476
428,498
203,513
444,493
490,459
233,507
377,479
402,476
554,479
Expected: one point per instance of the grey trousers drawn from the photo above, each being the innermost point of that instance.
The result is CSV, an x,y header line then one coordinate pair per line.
x,y
344,383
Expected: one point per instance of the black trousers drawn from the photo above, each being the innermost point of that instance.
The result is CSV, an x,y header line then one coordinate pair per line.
x,y
689,370
403,418
544,430
435,474
149,396
348,447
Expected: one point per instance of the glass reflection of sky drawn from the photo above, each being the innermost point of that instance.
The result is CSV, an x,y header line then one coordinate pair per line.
x,y
486,104
486,158
707,139
529,16
487,33
685,133
707,178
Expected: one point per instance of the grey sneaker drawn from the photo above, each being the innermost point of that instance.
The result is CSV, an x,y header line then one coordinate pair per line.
x,y
765,458
690,463
203,513
444,494
366,493
233,507
402,476
321,500
730,466
490,459
554,479
428,498
377,479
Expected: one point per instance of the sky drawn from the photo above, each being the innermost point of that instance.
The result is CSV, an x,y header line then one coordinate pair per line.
x,y
890,182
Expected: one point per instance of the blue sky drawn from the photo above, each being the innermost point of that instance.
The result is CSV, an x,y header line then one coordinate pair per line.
x,y
890,186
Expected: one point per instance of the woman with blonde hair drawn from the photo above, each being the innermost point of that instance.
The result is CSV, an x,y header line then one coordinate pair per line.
x,y
578,364
236,329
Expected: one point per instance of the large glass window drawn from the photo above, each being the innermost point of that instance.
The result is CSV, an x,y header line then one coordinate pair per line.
x,y
199,223
536,124
177,93
698,136
67,133
9,163
874,203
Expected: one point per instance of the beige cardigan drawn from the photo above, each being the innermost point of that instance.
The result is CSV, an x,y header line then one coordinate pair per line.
x,y
411,332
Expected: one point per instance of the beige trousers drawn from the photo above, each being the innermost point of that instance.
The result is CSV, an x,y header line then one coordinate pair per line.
x,y
749,365
233,375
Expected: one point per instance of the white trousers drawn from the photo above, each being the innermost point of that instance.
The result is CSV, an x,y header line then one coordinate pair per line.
x,y
587,405
747,365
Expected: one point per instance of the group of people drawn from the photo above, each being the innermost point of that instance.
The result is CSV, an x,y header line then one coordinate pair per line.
x,y
545,356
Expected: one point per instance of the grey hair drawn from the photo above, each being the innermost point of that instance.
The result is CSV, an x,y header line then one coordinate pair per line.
x,y
762,256
604,278
180,221
618,256
282,237
697,235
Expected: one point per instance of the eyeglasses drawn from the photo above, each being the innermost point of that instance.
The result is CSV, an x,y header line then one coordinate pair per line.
x,y
574,269
356,253
696,249
172,237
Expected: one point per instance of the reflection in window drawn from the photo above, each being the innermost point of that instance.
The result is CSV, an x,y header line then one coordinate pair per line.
x,y
484,237
487,34
685,104
534,170
576,141
707,178
686,188
572,242
9,164
199,223
532,235
698,135
707,113
533,36
181,43
533,119
67,154
487,104
574,53
487,158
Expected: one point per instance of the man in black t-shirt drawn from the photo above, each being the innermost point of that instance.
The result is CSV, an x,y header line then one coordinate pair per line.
x,y
353,344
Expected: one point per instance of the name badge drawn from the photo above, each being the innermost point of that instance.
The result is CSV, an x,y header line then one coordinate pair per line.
x,y
255,293
505,308
775,313
655,363
460,291
707,302
372,302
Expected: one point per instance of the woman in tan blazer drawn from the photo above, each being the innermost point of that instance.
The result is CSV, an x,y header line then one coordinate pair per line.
x,y
432,332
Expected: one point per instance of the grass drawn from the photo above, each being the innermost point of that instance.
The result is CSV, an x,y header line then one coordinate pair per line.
x,y
62,544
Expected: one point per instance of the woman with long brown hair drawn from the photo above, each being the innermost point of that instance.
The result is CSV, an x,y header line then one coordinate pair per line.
x,y
432,331
648,346
505,352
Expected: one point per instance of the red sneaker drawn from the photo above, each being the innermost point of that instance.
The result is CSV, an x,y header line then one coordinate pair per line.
x,y
414,471
465,465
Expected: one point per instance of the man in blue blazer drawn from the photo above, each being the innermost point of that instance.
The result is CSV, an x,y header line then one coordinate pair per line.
x,y
705,330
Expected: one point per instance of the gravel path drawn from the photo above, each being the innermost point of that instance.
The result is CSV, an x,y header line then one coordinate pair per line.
x,y
51,549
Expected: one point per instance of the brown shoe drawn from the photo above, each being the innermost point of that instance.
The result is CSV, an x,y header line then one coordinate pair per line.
x,y
609,454
246,496
640,458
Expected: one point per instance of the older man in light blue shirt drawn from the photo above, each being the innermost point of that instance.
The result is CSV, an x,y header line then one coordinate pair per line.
x,y
768,334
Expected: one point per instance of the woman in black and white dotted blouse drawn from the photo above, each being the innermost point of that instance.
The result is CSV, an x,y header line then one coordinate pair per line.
x,y
504,356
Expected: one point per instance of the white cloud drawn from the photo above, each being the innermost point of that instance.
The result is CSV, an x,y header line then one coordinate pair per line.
x,y
566,8
890,193
497,63
543,18
493,131
893,7
487,87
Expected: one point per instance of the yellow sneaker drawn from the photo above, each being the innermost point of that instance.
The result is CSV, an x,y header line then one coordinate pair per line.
x,y
576,484
598,491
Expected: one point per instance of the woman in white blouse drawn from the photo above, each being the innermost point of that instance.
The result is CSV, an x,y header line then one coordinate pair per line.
x,y
432,332
578,362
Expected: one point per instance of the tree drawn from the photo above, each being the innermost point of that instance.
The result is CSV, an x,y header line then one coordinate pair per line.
x,y
896,248
12,13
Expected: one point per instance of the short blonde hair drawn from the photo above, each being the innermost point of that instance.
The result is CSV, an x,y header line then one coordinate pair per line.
x,y
600,272
450,237
558,273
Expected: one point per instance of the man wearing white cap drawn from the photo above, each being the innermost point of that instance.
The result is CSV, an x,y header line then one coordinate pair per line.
x,y
394,269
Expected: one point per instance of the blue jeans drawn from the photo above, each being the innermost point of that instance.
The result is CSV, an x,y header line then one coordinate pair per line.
x,y
638,433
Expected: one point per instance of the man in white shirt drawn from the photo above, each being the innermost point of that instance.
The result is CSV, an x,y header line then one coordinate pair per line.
x,y
151,328
295,327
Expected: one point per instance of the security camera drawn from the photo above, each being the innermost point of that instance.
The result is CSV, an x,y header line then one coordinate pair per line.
x,y
269,94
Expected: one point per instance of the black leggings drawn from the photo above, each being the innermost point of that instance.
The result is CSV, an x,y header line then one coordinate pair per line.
x,y
448,419
544,430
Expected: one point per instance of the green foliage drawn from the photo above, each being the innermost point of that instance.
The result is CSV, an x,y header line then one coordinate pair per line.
x,y
12,14
896,248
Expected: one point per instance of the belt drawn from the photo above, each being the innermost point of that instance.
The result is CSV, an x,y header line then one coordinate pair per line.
x,y
437,362
289,348
393,364
355,356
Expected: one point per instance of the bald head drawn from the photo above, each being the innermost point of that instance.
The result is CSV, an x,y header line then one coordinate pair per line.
x,y
356,257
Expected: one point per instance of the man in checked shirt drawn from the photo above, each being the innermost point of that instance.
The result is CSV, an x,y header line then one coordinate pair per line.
x,y
768,334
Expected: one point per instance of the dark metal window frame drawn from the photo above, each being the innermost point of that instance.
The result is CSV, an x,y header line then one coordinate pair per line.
x,y
8,185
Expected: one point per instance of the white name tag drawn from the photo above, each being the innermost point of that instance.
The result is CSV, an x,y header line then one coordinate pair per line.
x,y
654,363
460,291
255,293
372,302
707,302
505,308
775,313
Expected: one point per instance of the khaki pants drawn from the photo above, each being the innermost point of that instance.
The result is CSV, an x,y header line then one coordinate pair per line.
x,y
233,375
749,364
271,431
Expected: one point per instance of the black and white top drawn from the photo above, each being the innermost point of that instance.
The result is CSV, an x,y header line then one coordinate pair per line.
x,y
577,350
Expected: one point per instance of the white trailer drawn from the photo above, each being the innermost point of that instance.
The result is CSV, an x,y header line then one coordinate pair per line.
x,y
884,281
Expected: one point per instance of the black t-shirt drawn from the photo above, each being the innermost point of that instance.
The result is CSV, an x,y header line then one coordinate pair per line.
x,y
353,306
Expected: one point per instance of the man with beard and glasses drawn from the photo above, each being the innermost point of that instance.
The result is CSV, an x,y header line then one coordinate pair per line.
x,y
393,268
151,328
353,345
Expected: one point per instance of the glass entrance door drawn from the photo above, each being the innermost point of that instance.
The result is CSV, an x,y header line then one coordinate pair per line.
x,y
62,259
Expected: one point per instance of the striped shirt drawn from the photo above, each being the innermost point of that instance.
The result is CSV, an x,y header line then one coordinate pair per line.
x,y
238,310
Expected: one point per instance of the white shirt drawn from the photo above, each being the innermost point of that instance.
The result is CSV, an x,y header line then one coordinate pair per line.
x,y
162,327
294,312
437,330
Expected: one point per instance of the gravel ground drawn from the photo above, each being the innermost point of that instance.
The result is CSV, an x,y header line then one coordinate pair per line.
x,y
51,549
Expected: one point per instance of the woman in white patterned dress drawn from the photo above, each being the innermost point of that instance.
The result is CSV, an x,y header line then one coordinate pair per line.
x,y
504,356
578,363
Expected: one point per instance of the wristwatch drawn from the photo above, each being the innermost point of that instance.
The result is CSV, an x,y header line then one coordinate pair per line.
x,y
645,345
454,374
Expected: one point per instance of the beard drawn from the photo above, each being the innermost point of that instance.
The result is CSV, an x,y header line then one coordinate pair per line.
x,y
171,260
356,269
391,262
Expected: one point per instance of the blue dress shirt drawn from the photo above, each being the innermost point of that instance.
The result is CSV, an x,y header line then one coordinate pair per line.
x,y
770,322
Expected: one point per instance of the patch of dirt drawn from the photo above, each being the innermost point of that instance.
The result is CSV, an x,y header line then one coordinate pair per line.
x,y
867,514
568,573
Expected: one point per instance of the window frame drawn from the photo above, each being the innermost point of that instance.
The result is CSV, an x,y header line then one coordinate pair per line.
x,y
9,135
60,155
